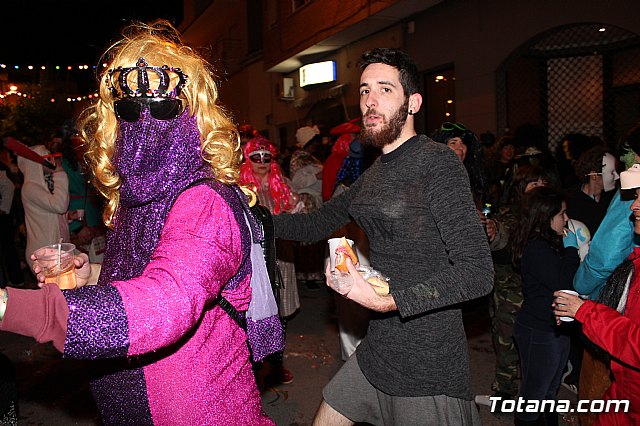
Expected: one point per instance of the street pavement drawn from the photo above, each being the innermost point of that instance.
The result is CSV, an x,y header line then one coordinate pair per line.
x,y
55,392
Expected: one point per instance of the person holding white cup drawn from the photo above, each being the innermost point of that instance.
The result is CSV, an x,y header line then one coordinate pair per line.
x,y
613,322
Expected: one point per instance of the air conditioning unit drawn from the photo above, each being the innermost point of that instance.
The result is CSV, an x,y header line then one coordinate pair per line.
x,y
288,92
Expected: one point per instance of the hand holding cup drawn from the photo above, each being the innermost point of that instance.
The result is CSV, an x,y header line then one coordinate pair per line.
x,y
57,264
566,304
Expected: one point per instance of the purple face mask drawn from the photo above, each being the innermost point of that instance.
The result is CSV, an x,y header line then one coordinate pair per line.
x,y
152,156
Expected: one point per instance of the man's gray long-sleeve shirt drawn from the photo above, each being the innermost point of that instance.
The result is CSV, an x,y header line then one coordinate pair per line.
x,y
415,206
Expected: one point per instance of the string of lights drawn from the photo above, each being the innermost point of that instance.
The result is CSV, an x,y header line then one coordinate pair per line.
x,y
5,66
15,92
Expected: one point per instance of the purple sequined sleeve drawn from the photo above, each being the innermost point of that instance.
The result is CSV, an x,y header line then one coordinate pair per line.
x,y
97,323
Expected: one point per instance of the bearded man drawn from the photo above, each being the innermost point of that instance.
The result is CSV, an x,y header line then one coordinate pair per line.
x,y
415,205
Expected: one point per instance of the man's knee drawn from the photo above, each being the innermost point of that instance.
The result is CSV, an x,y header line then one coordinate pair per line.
x,y
327,416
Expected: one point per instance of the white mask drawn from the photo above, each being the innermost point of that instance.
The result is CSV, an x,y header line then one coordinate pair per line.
x,y
609,174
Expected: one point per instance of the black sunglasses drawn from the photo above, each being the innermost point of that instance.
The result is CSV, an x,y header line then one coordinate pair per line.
x,y
260,158
130,110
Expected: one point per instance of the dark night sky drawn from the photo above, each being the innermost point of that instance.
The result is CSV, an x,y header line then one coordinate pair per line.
x,y
68,32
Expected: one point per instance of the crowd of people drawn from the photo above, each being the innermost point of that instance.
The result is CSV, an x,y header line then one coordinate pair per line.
x,y
447,218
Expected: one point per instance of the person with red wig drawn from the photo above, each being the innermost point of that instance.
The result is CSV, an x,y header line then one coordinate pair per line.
x,y
262,173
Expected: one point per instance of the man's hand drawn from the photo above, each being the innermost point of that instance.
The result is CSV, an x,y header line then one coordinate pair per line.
x,y
354,287
339,281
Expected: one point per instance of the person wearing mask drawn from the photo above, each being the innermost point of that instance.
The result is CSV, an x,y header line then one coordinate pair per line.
x,y
547,260
596,171
415,206
182,245
569,151
261,171
615,239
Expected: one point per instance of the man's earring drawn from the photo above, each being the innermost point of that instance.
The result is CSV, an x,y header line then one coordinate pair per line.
x,y
410,112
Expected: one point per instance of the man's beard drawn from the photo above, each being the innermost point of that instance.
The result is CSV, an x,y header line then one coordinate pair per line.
x,y
389,132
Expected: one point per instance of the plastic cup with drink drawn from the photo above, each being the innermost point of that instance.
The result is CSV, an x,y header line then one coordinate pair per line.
x,y
575,293
56,262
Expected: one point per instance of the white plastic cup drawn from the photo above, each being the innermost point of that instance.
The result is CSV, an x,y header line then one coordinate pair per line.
x,y
575,293
333,244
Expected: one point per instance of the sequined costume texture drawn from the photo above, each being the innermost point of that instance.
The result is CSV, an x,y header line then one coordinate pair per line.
x,y
176,357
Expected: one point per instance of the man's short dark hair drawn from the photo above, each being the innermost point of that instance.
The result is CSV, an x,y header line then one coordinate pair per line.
x,y
590,161
397,59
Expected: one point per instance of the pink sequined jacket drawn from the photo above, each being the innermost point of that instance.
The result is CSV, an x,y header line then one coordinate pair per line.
x,y
187,362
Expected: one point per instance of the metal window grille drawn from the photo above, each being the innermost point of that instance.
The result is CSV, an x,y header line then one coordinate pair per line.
x,y
583,78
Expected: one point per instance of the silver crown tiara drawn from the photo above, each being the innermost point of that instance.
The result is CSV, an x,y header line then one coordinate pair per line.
x,y
143,89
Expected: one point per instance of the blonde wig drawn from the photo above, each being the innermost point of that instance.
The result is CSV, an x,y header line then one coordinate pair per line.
x,y
160,44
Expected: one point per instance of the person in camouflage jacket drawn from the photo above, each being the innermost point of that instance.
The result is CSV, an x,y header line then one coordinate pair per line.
x,y
507,288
